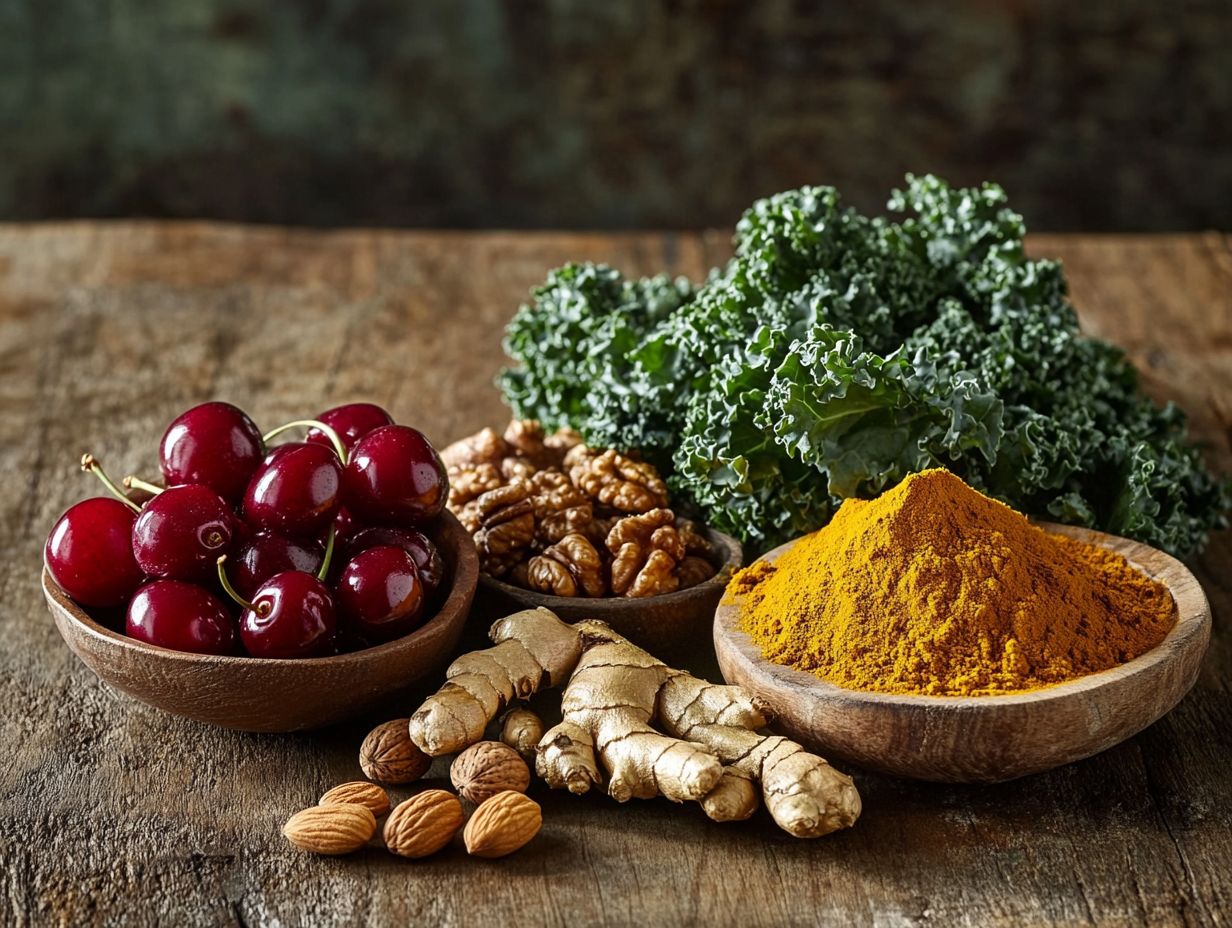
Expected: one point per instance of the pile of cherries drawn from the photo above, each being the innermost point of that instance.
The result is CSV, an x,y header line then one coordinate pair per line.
x,y
305,549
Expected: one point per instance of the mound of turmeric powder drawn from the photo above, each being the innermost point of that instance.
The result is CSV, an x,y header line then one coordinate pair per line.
x,y
934,588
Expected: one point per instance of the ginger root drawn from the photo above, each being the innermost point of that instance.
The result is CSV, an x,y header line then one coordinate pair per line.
x,y
606,713
709,749
803,793
521,729
615,694
533,649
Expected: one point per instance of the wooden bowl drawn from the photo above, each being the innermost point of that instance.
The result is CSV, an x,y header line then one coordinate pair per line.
x,y
264,694
983,739
671,625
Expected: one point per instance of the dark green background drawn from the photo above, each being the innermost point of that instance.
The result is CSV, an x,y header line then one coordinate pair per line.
x,y
1095,116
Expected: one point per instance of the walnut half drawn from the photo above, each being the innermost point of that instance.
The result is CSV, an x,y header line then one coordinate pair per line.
x,y
506,527
646,549
560,507
571,567
616,480
484,447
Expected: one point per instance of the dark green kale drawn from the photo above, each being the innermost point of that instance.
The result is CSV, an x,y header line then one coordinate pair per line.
x,y
580,346
836,353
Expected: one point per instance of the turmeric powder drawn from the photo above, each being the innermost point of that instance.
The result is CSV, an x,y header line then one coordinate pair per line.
x,y
933,588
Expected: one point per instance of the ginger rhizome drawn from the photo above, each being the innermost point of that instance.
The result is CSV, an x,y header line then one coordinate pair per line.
x,y
533,649
618,690
636,727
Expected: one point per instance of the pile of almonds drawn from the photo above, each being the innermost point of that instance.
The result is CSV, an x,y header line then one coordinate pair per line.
x,y
551,514
491,775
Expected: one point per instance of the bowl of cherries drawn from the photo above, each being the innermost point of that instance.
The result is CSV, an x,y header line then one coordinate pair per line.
x,y
263,586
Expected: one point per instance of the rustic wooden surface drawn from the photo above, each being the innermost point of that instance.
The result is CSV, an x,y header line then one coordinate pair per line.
x,y
115,814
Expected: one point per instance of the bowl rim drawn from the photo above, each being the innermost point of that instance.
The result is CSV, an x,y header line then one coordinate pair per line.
x,y
1193,617
463,580
732,561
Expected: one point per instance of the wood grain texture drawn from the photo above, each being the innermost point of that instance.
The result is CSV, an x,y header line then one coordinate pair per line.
x,y
982,739
270,695
112,813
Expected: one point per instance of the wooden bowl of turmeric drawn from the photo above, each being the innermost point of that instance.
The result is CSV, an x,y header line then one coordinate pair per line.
x,y
1105,637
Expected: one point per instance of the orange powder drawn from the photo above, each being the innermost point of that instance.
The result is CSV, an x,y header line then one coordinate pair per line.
x,y
934,588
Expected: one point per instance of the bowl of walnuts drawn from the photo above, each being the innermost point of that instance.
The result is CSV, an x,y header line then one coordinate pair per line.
x,y
588,533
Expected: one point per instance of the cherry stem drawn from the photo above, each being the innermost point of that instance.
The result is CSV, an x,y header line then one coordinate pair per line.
x,y
136,483
312,424
230,590
329,554
89,463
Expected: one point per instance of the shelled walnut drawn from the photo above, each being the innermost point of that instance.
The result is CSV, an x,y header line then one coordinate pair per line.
x,y
560,507
616,480
646,550
571,567
506,527
549,513
484,447
470,481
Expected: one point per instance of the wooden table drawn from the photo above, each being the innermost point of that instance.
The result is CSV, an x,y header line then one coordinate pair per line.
x,y
113,813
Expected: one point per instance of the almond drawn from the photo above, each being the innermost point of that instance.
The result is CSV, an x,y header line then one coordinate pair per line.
x,y
359,793
388,755
423,824
331,829
502,824
488,768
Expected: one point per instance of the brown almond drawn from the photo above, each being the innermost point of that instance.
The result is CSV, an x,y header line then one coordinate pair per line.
x,y
423,824
333,829
388,755
488,768
502,824
359,793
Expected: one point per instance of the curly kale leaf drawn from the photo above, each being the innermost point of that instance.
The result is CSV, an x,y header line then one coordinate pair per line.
x,y
575,345
836,353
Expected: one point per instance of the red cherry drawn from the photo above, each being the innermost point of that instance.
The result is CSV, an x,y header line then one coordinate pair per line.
x,y
182,531
380,594
415,543
181,616
395,476
90,552
296,490
292,615
352,422
267,554
214,444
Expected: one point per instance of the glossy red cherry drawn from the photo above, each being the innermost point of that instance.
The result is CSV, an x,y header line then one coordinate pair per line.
x,y
214,444
296,491
182,531
415,543
90,553
352,422
381,595
396,477
292,615
267,554
181,616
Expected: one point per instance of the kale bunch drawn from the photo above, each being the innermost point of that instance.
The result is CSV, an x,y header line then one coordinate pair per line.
x,y
836,353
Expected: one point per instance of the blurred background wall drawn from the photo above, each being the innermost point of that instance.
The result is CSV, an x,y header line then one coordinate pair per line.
x,y
566,113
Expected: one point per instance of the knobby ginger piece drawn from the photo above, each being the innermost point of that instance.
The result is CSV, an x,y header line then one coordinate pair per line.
x,y
803,793
533,649
619,690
